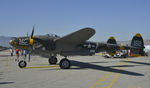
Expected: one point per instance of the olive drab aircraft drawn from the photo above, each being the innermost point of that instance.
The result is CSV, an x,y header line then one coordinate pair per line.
x,y
70,45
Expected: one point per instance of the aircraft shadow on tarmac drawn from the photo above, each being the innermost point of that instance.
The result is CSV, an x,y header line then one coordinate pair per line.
x,y
142,63
88,65
82,65
124,66
6,83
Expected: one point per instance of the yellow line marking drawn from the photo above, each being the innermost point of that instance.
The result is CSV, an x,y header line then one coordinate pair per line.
x,y
42,66
113,81
104,76
98,81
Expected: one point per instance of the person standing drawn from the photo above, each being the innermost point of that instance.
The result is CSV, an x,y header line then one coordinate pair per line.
x,y
24,53
17,54
21,52
11,51
146,54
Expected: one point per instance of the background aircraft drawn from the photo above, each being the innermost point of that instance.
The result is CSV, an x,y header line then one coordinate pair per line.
x,y
111,51
137,41
72,44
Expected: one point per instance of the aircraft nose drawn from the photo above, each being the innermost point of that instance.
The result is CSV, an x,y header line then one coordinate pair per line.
x,y
11,42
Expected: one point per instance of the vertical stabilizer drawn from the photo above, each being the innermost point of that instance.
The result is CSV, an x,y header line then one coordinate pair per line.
x,y
137,41
111,50
111,40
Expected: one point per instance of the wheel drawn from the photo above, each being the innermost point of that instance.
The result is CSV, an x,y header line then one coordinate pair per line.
x,y
64,64
22,64
52,60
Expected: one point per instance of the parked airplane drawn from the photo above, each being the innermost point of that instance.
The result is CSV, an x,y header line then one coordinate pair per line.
x,y
72,44
137,41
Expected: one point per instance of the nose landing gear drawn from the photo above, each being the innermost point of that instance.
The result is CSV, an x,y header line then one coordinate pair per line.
x,y
22,64
52,60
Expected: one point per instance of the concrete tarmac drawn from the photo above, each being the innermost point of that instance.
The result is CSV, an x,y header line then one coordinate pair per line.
x,y
85,72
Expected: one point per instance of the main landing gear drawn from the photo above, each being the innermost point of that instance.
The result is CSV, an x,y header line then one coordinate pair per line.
x,y
64,63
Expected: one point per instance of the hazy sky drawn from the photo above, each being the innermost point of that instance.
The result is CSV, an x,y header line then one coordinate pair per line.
x,y
118,18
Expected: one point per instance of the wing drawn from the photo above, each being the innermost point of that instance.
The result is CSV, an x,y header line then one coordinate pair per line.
x,y
77,37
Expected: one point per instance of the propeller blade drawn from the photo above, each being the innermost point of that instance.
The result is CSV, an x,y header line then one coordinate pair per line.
x,y
32,32
31,37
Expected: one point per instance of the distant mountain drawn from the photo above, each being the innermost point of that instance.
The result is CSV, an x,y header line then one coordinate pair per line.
x,y
3,48
4,41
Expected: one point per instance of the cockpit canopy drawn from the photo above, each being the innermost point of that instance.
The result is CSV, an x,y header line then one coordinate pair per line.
x,y
53,35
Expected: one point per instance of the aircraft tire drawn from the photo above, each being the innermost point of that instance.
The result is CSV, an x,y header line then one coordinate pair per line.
x,y
52,60
64,64
22,64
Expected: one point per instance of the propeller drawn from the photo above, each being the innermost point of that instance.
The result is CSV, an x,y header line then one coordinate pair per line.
x,y
32,32
30,43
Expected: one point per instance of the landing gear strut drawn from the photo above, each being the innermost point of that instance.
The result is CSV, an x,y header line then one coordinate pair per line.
x,y
52,60
64,64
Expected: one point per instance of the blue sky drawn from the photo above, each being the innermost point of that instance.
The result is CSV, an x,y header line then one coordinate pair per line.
x,y
118,18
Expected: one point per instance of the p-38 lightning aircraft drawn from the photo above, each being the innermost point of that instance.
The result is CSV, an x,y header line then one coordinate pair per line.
x,y
72,44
